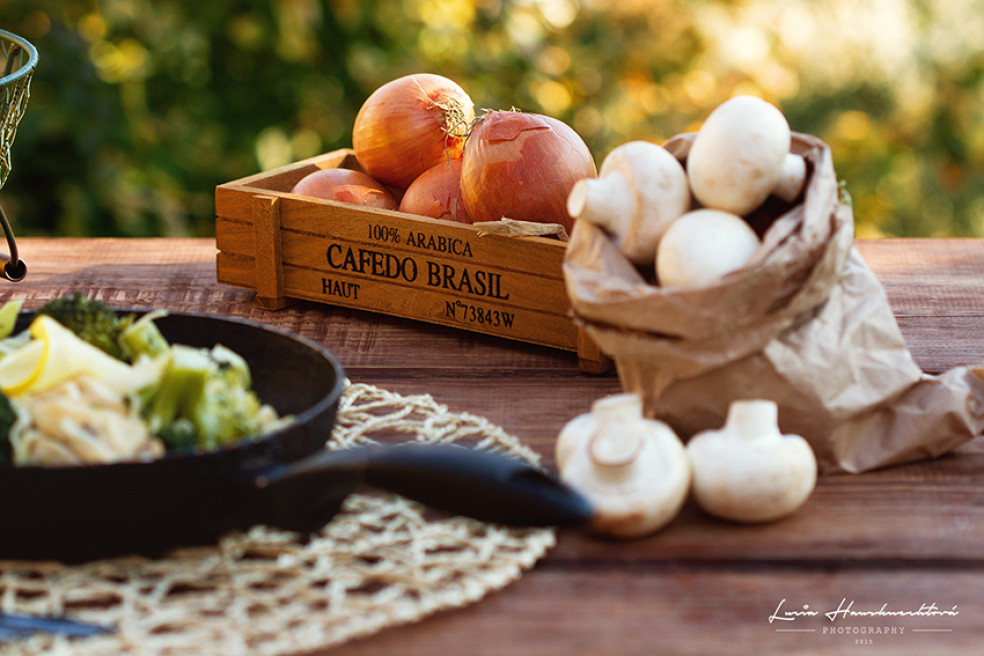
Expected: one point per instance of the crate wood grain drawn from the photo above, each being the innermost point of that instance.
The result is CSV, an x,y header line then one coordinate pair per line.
x,y
286,247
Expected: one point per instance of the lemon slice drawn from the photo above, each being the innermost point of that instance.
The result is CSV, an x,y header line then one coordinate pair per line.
x,y
8,316
56,354
20,368
70,356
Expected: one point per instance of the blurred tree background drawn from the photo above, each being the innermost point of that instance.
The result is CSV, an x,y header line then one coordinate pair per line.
x,y
140,107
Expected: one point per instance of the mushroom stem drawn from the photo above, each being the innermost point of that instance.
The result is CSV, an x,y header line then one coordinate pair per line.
x,y
753,418
616,446
618,407
613,453
606,202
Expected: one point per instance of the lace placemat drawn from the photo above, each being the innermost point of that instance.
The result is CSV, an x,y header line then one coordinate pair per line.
x,y
380,562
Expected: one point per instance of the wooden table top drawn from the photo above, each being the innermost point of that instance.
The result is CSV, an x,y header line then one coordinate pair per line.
x,y
907,539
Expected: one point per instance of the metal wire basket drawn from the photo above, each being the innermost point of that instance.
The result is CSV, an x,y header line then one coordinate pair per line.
x,y
19,59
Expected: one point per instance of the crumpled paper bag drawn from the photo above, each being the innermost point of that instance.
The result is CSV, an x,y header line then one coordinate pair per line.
x,y
805,324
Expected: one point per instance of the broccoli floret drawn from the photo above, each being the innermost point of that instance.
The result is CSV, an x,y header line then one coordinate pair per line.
x,y
91,320
232,366
143,337
7,418
181,386
205,393
179,434
227,412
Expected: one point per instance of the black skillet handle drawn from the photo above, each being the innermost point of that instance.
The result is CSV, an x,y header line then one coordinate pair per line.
x,y
479,484
487,486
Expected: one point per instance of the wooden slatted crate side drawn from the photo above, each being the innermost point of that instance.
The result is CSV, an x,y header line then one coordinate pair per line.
x,y
540,255
527,317
508,292
234,237
296,265
489,284
397,232
435,306
523,324
507,286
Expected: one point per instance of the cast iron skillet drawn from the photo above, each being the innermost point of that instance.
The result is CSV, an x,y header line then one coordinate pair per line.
x,y
284,479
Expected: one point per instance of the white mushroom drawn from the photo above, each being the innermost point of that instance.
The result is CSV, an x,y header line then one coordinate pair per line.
x,y
749,472
792,179
640,189
633,470
703,245
737,156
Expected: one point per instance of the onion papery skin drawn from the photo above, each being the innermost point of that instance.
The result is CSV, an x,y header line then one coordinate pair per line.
x,y
437,193
522,166
346,186
409,125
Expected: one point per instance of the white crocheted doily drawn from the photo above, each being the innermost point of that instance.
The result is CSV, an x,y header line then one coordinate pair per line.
x,y
381,562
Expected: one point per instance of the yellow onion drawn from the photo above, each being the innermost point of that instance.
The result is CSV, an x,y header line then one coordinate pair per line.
x,y
437,193
522,166
409,125
346,186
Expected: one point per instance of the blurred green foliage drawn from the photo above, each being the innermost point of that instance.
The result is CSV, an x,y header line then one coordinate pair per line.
x,y
140,107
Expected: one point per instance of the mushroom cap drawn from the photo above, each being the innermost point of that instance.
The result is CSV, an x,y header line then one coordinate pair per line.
x,y
792,179
758,479
634,490
702,246
736,158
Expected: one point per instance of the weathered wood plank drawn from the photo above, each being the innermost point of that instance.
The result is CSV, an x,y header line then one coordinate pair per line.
x,y
669,609
925,277
903,536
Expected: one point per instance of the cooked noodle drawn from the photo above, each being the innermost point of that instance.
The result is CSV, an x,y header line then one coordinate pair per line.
x,y
80,421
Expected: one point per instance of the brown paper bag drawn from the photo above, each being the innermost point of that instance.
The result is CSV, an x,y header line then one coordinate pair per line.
x,y
805,324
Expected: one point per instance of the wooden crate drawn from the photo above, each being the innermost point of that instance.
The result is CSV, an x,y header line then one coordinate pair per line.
x,y
286,246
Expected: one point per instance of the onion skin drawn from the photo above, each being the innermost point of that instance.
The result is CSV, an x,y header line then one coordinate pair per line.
x,y
346,186
523,166
437,193
409,125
